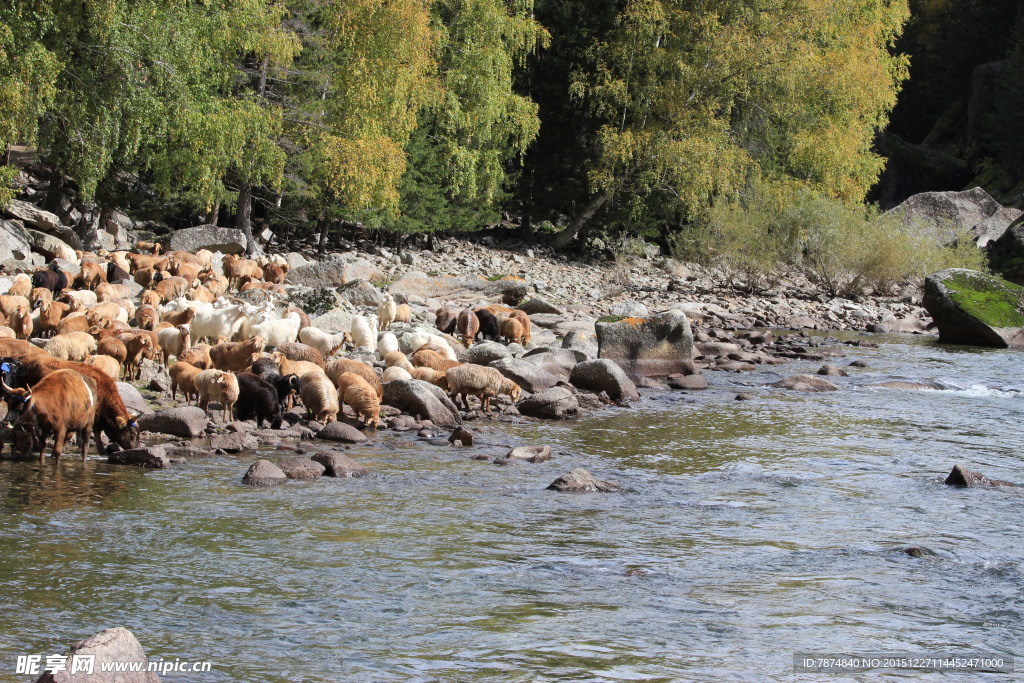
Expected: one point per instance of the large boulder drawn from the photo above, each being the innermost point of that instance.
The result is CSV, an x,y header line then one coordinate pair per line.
x,y
584,341
264,473
33,215
113,646
655,346
530,377
186,421
361,293
301,468
50,247
485,352
1006,253
945,214
133,400
153,457
555,360
14,242
511,289
335,273
556,403
422,400
974,308
341,431
212,237
536,305
604,375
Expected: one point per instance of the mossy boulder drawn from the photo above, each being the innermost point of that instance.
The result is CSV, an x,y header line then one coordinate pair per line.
x,y
652,346
975,308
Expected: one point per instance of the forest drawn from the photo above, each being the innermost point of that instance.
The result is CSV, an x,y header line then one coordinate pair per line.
x,y
663,119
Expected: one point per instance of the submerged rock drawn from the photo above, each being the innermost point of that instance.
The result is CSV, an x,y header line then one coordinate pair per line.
x,y
530,453
604,375
423,400
463,436
902,385
340,431
965,478
301,468
339,465
580,479
154,457
187,421
557,403
808,383
264,473
970,307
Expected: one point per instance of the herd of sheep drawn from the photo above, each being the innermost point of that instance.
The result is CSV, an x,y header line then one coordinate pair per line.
x,y
256,360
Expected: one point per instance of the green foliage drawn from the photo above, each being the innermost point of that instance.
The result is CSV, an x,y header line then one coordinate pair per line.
x,y
315,301
841,248
994,301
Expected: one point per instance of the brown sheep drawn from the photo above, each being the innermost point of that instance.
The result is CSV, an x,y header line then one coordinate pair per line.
x,y
336,368
113,347
171,288
136,347
138,261
468,325
524,320
107,364
198,356
430,375
22,286
236,356
298,351
183,269
236,267
7,333
50,315
202,294
150,298
146,317
320,398
145,277
512,331
152,247
397,358
106,291
183,376
355,392
215,283
433,360
275,273
76,322
215,385
176,318
403,314
21,322
299,368
35,296
445,320
483,382
9,303
91,275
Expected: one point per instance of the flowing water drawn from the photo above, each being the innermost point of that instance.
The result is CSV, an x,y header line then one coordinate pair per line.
x,y
748,531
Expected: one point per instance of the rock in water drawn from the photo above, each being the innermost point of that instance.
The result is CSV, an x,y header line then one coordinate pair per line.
x,y
264,473
463,436
580,479
974,308
153,457
530,377
809,383
557,403
653,346
965,478
340,431
187,421
422,400
113,645
338,465
301,468
604,375
530,453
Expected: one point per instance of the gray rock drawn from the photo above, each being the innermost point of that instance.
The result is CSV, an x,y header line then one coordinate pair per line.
x,y
583,341
336,320
807,383
580,479
178,452
14,241
970,307
1006,253
604,375
511,291
52,247
463,436
301,468
133,400
234,442
944,214
341,431
296,260
154,457
536,304
530,453
334,273
111,646
901,385
530,377
656,346
962,477
688,382
361,293
33,215
339,465
629,309
186,421
422,400
832,371
485,352
264,473
150,369
224,240
558,362
557,403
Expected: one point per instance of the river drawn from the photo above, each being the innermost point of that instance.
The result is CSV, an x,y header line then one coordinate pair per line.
x,y
748,532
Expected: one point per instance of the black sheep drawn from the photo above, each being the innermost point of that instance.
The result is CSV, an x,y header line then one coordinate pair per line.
x,y
116,273
286,386
488,324
265,368
257,400
53,279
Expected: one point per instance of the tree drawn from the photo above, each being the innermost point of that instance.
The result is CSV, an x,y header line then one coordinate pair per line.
x,y
695,98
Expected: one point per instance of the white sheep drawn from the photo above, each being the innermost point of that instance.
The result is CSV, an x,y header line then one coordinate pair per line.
x,y
71,346
277,332
86,296
174,341
386,343
395,373
480,381
364,332
326,344
418,339
387,311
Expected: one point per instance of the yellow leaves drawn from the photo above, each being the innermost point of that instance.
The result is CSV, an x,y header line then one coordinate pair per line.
x,y
360,173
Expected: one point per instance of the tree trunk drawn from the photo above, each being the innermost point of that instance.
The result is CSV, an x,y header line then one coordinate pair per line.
x,y
243,217
562,239
213,215
321,247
